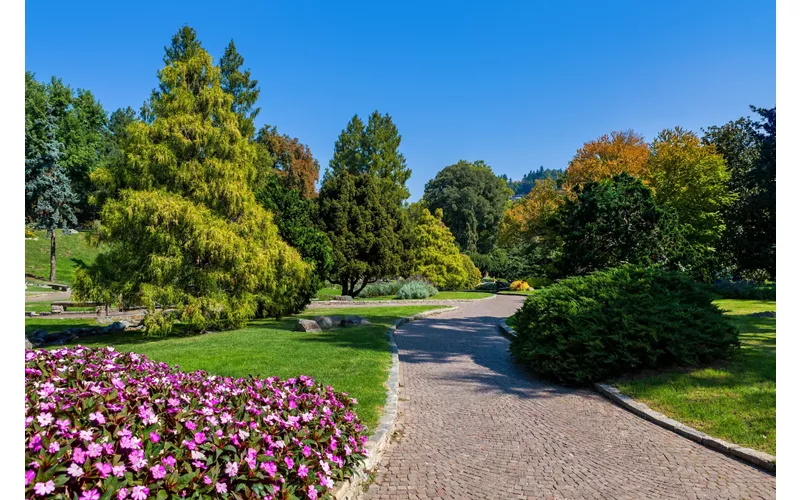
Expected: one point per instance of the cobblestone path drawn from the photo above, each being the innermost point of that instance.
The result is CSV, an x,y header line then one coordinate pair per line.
x,y
474,425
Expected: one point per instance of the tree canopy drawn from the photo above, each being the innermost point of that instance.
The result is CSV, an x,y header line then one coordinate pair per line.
x,y
291,160
373,149
242,87
186,232
434,254
364,227
606,156
472,199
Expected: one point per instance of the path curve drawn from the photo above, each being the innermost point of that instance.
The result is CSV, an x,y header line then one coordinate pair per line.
x,y
472,424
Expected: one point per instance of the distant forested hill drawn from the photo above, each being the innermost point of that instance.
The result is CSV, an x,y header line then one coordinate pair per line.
x,y
524,186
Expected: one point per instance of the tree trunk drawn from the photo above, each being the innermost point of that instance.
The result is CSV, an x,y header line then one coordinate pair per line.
x,y
52,256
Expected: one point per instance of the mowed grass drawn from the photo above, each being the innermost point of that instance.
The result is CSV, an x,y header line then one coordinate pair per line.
x,y
516,292
733,400
355,360
71,251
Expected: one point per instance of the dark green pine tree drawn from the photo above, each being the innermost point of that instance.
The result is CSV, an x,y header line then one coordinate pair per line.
x,y
243,89
373,149
48,188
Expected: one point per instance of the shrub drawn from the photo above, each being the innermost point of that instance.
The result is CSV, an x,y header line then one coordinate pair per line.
x,y
538,282
381,289
112,424
746,290
416,290
473,273
489,286
586,329
520,286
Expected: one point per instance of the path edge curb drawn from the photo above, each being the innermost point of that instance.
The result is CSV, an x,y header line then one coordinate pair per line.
x,y
350,488
759,459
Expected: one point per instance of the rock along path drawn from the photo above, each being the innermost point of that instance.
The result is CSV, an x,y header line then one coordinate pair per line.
x,y
473,424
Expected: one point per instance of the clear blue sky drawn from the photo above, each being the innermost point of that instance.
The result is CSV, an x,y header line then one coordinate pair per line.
x,y
517,84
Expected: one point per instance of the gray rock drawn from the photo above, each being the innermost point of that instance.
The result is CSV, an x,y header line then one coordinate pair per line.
x,y
37,336
324,322
344,298
118,326
28,344
56,309
30,313
307,325
354,321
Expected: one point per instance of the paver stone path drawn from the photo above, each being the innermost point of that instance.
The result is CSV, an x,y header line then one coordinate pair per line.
x,y
473,424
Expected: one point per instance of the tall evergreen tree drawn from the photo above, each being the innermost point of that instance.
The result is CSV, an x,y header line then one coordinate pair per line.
x,y
186,232
373,149
48,188
237,82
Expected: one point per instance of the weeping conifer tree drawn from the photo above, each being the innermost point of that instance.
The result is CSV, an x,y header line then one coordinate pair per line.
x,y
185,236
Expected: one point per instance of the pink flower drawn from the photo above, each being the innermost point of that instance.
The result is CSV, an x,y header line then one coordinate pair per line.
x,y
119,471
92,494
29,475
122,494
158,471
306,451
312,493
191,425
78,455
170,461
222,487
43,489
200,438
97,417
140,492
207,480
45,419
289,462
94,450
302,471
232,469
269,467
104,469
54,447
154,437
75,470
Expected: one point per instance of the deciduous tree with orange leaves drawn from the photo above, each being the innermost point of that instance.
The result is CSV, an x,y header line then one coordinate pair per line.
x,y
623,151
292,160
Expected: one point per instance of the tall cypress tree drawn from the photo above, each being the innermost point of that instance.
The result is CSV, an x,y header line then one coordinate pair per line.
x,y
186,232
237,82
48,188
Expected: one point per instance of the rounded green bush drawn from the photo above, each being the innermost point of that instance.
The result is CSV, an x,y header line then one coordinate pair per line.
x,y
608,323
416,290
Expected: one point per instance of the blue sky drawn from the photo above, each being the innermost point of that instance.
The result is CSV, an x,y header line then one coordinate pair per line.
x,y
517,84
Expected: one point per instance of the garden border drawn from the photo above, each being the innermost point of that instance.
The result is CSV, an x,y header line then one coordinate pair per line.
x,y
350,488
757,458
318,304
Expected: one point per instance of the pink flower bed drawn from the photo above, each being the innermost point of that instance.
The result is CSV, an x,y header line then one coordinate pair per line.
x,y
100,421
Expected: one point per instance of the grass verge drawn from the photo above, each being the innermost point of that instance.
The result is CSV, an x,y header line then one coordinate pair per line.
x,y
71,251
733,400
355,360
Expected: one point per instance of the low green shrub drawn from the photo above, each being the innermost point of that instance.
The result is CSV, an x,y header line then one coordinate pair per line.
x,y
416,290
538,282
489,286
608,323
381,289
746,290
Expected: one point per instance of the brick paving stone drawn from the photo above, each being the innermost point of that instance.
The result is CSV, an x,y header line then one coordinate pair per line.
x,y
472,424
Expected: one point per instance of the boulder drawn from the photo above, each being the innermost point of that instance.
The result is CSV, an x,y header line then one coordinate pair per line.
x,y
307,325
37,336
344,298
324,322
56,309
354,321
30,313
28,344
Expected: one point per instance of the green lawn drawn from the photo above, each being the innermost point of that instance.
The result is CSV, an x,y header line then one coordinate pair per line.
x,y
733,400
516,292
36,288
354,360
71,250
45,307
